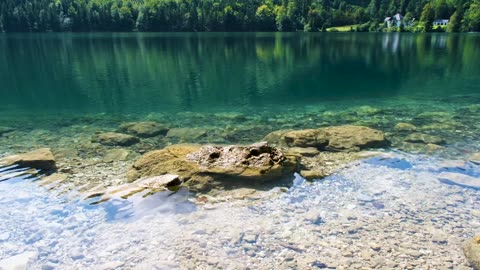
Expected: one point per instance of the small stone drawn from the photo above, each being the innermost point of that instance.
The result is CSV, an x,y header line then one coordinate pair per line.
x,y
115,139
424,138
375,246
405,127
313,174
117,154
144,129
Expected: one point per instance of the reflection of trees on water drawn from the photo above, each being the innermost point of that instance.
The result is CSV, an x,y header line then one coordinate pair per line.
x,y
155,72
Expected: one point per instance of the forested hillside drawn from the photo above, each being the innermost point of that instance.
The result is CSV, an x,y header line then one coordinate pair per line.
x,y
233,15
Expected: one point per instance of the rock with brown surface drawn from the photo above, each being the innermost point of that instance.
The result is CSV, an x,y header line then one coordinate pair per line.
x,y
144,129
42,159
201,167
115,139
471,249
336,138
424,138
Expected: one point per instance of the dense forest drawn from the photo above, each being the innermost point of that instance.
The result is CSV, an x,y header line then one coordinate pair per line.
x,y
234,15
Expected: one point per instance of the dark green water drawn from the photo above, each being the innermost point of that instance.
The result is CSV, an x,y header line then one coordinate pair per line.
x,y
143,73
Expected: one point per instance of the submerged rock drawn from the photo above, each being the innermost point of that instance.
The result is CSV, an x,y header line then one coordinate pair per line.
x,y
144,129
118,154
405,127
200,167
114,139
471,249
336,138
367,110
42,159
424,138
187,134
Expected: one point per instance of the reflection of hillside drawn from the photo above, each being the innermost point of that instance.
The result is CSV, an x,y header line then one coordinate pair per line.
x,y
155,72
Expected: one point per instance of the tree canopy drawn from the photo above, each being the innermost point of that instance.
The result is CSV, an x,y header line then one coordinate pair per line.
x,y
229,15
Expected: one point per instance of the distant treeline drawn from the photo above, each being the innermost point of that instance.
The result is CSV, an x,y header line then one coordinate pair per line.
x,y
233,15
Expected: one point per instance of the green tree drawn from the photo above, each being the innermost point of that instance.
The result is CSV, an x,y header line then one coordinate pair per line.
x,y
428,16
471,20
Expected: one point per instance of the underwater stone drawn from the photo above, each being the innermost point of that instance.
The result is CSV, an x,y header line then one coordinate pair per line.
x,y
471,249
424,138
144,129
113,139
41,159
336,138
405,127
118,154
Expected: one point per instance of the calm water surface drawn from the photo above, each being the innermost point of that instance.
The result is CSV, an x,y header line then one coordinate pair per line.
x,y
143,73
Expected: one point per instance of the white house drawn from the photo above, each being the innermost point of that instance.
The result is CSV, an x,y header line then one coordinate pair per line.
x,y
440,22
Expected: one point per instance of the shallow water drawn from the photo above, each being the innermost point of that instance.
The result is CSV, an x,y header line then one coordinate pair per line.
x,y
368,215
59,90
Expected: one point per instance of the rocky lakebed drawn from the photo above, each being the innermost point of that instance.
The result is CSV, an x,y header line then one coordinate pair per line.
x,y
365,187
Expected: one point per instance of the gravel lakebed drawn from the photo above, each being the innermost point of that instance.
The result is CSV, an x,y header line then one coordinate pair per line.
x,y
379,213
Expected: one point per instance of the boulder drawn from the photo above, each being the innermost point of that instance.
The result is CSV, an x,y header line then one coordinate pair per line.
x,y
471,249
337,138
199,167
115,139
353,138
144,129
424,138
405,127
42,159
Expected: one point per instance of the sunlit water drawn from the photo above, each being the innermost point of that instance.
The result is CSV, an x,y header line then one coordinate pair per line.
x,y
58,90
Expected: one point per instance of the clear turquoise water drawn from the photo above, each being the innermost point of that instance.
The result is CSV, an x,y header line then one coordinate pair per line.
x,y
142,73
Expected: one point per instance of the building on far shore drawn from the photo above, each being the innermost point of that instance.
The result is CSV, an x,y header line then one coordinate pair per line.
x,y
441,22
398,20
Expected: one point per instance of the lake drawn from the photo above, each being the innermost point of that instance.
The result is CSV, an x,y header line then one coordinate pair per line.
x,y
409,205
